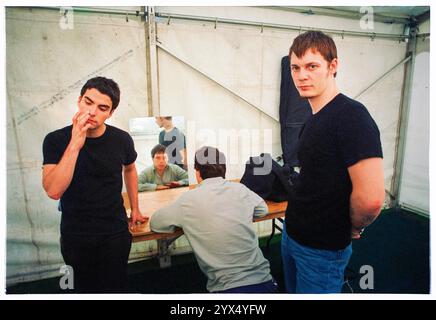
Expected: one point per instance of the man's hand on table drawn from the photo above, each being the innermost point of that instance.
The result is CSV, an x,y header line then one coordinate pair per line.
x,y
137,217
173,184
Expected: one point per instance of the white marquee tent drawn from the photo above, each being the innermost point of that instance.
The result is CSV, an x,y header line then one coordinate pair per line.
x,y
219,67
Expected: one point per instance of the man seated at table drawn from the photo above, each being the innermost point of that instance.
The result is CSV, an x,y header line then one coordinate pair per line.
x,y
217,219
161,175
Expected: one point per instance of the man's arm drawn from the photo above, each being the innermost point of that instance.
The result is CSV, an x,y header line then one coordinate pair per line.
x,y
260,207
260,210
56,178
147,187
184,155
367,195
131,182
181,176
167,219
145,182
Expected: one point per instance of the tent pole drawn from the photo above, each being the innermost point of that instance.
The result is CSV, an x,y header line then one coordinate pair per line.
x,y
340,13
382,77
261,25
403,116
100,10
151,61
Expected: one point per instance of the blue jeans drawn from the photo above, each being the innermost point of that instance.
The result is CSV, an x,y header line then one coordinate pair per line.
x,y
309,270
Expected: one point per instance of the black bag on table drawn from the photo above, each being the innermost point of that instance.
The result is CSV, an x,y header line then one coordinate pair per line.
x,y
268,179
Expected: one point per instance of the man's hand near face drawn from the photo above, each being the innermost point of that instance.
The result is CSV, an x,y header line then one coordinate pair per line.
x,y
80,128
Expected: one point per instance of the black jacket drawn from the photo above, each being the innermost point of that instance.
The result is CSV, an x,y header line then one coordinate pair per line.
x,y
293,113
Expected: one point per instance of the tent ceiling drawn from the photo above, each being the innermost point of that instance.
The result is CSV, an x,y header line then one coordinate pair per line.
x,y
393,11
387,14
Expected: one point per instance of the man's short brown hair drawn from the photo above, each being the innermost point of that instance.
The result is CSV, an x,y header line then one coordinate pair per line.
x,y
316,41
210,162
157,149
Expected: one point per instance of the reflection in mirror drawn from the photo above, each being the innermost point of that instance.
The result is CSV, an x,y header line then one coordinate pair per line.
x,y
161,146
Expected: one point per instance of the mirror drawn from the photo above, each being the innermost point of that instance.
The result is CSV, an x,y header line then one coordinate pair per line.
x,y
162,157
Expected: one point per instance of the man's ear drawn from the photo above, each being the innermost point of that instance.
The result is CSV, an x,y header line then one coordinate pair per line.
x,y
333,66
198,176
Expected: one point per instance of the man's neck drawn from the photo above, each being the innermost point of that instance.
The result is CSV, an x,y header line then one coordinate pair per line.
x,y
319,102
161,172
168,127
97,132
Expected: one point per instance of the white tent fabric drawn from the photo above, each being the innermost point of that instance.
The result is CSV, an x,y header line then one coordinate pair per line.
x,y
414,183
46,68
414,188
47,65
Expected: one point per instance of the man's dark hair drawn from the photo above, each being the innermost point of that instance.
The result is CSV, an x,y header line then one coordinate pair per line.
x,y
106,86
210,162
314,40
157,149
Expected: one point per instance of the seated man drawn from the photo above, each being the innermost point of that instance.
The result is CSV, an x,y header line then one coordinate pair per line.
x,y
216,218
161,175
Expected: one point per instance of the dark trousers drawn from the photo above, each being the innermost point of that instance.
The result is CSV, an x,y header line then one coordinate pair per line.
x,y
99,262
265,287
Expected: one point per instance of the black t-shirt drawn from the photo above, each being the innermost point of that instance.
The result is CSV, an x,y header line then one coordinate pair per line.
x,y
174,141
92,204
338,136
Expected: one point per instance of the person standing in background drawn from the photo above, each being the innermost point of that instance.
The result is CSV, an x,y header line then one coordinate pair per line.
x,y
174,140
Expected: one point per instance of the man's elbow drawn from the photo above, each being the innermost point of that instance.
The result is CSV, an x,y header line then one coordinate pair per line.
x,y
156,227
54,195
373,205
260,211
152,225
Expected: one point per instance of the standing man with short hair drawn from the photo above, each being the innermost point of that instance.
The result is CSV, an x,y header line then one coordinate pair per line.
x,y
83,167
340,190
174,140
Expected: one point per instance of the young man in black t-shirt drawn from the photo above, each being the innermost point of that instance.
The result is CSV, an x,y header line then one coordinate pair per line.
x,y
83,167
340,189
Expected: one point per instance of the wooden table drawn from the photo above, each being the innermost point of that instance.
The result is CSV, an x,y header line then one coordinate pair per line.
x,y
149,202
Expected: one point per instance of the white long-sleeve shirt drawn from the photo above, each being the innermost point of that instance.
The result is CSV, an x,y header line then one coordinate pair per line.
x,y
217,219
